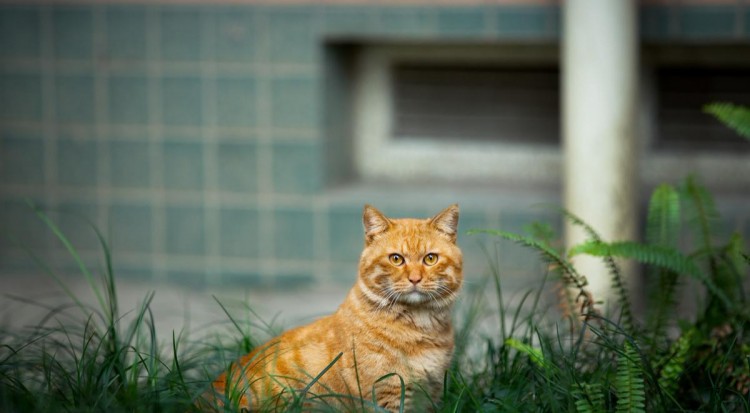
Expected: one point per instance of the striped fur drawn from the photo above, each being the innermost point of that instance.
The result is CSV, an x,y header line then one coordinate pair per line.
x,y
396,319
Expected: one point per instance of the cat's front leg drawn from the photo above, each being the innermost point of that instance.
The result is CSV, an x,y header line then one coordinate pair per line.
x,y
388,397
387,394
392,401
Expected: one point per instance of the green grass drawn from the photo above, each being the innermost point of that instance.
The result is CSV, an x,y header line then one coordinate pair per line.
x,y
536,354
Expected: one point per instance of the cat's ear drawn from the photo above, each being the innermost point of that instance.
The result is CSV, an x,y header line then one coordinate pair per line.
x,y
375,222
447,221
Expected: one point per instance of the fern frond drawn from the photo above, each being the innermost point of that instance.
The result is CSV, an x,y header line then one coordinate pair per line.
x,y
738,261
662,228
548,254
618,282
701,211
736,254
648,254
674,365
589,398
629,384
735,117
660,256
576,220
703,218
663,219
541,231
584,302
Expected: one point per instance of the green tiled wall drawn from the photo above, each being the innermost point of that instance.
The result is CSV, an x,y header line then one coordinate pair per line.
x,y
129,164
462,22
22,159
239,228
708,22
127,99
21,96
29,231
346,236
182,101
185,230
73,32
130,226
193,136
237,167
71,216
527,21
180,32
20,31
183,166
125,32
77,164
694,22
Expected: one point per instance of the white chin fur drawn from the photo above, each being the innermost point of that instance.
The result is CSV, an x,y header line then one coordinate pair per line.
x,y
414,297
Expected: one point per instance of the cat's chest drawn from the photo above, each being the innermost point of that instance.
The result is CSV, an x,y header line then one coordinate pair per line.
x,y
423,321
427,348
429,359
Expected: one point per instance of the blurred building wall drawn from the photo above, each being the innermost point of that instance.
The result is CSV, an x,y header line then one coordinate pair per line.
x,y
197,138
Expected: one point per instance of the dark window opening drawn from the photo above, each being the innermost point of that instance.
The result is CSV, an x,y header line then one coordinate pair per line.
x,y
682,93
471,103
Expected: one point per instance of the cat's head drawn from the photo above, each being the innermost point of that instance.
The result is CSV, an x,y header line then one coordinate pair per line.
x,y
413,262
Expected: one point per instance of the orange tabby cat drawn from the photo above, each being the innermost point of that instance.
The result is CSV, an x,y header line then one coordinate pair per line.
x,y
396,319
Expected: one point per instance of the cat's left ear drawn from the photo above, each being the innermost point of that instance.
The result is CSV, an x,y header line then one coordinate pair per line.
x,y
447,221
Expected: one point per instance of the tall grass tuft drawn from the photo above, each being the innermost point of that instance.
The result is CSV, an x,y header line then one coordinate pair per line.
x,y
88,358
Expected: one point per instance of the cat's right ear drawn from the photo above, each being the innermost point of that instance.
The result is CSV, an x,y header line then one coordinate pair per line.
x,y
447,222
375,223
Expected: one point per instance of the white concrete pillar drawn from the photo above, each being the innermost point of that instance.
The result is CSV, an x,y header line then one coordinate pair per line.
x,y
599,77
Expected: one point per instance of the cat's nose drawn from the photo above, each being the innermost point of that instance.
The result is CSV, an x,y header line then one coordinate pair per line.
x,y
415,278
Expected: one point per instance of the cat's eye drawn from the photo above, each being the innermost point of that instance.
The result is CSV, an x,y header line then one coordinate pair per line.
x,y
396,259
430,259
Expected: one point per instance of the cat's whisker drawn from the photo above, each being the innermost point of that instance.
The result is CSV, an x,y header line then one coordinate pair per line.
x,y
437,301
433,296
443,289
385,294
448,290
448,297
398,299
390,299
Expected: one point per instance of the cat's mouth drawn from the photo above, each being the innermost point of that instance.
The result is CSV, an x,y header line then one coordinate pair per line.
x,y
418,295
415,296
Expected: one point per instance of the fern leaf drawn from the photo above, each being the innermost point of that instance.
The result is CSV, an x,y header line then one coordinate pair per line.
x,y
576,220
589,398
659,256
673,367
548,254
623,297
663,220
701,211
730,270
629,384
737,258
662,228
734,116
705,217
